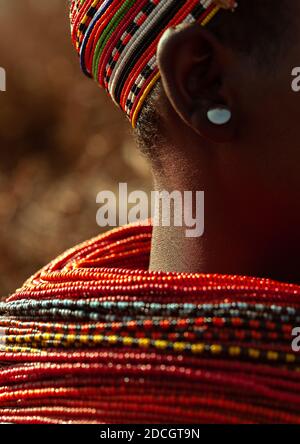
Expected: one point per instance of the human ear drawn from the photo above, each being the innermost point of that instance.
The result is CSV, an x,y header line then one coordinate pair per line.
x,y
193,66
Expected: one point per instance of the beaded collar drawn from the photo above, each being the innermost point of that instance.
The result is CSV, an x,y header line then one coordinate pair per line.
x,y
96,337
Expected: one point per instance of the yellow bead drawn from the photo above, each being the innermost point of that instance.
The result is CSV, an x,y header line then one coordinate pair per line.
x,y
84,339
112,339
127,340
58,337
290,358
216,349
161,344
198,348
272,356
234,351
253,353
98,339
144,342
70,338
179,346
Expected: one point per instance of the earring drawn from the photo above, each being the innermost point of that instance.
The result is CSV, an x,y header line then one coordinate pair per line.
x,y
219,115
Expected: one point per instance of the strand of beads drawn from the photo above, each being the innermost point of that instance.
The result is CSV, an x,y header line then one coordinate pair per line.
x,y
87,341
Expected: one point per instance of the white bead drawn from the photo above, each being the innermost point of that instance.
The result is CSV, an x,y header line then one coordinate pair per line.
x,y
219,115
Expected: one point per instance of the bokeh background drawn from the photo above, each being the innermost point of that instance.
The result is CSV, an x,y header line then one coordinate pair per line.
x,y
61,139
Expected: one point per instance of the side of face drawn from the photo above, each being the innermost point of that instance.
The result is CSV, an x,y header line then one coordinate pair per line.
x,y
255,158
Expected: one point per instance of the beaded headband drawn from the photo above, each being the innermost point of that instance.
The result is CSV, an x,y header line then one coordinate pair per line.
x,y
117,41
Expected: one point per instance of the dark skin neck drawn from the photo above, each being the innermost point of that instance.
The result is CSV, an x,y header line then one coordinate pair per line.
x,y
251,221
248,168
225,253
242,236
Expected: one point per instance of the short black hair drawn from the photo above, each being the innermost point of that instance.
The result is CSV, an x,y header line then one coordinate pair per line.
x,y
259,28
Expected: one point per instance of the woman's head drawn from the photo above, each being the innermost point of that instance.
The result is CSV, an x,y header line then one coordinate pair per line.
x,y
117,41
249,167
241,61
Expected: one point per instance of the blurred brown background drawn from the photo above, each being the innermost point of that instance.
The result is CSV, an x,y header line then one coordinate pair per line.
x,y
62,141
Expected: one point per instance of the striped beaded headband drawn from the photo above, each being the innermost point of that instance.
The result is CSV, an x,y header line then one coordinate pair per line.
x,y
117,41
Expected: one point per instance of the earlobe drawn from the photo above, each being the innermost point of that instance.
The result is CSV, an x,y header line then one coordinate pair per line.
x,y
192,71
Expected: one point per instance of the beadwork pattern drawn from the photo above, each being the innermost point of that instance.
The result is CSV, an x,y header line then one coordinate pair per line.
x,y
94,337
117,41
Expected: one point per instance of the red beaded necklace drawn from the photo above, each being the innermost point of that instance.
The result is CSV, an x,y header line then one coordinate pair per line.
x,y
96,337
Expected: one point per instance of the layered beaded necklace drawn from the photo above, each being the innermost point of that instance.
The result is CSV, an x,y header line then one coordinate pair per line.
x,y
95,337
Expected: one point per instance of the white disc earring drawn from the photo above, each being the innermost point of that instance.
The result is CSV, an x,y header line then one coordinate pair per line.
x,y
219,115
